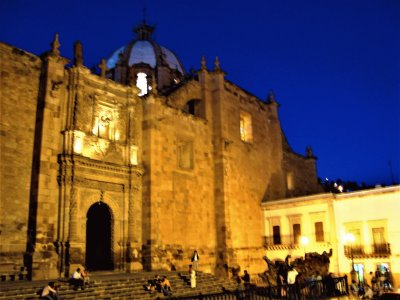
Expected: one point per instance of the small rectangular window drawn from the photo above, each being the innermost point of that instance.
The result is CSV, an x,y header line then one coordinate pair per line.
x,y
276,230
296,233
319,231
290,181
185,155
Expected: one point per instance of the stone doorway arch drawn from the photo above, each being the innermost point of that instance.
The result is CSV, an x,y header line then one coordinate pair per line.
x,y
99,230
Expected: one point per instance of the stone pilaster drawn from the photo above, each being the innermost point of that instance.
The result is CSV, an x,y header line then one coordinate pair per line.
x,y
44,221
134,243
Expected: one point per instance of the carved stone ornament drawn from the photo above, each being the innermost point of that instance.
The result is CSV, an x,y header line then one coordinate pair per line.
x,y
55,45
55,87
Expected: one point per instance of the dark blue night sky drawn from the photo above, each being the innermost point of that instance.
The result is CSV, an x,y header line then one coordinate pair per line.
x,y
334,65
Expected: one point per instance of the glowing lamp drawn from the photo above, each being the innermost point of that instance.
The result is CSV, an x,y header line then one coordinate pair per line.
x,y
304,240
350,238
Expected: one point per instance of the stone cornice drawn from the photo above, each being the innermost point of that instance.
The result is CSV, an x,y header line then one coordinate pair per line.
x,y
106,167
98,185
326,198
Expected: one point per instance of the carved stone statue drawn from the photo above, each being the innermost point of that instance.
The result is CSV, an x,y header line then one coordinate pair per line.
x,y
309,267
217,66
78,54
309,151
103,68
55,45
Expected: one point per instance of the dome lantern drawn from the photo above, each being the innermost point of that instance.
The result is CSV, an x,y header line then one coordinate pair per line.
x,y
143,31
144,55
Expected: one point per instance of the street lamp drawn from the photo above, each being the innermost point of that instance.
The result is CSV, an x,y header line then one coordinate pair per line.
x,y
350,239
304,241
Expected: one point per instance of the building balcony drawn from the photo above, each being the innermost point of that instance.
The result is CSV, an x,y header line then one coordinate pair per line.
x,y
290,242
365,251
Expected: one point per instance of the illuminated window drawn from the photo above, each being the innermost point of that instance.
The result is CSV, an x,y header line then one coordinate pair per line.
x,y
141,83
319,231
290,181
185,155
378,236
246,132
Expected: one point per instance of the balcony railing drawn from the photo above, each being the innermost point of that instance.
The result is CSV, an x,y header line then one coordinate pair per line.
x,y
374,250
328,288
287,241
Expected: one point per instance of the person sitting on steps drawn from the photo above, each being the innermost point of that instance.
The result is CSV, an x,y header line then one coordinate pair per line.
x,y
49,292
85,277
154,285
77,280
166,286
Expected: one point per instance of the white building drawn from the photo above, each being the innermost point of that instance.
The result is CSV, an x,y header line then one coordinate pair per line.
x,y
362,226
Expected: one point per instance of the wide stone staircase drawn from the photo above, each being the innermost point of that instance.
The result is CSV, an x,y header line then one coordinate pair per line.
x,y
120,286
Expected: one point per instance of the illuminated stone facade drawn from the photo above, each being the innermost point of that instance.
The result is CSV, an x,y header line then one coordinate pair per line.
x,y
325,222
94,174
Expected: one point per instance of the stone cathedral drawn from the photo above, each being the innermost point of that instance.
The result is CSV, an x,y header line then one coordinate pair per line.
x,y
136,167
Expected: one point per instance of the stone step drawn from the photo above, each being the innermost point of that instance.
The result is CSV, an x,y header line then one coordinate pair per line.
x,y
120,286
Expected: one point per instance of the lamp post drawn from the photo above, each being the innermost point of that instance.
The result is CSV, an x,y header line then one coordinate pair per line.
x,y
350,239
304,241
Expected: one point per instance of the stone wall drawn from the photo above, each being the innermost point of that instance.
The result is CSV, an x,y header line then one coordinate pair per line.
x,y
302,173
174,180
178,186
20,72
253,172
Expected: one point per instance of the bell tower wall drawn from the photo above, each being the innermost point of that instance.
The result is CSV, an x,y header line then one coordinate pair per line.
x,y
20,74
178,188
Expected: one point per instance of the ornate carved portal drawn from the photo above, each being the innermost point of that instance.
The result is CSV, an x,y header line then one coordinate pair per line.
x,y
101,203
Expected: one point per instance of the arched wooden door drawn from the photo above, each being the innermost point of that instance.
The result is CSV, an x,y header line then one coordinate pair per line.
x,y
99,238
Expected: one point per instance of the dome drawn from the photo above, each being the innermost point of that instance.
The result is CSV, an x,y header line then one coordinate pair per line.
x,y
145,54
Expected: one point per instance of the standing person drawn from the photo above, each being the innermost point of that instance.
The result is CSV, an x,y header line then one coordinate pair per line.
x,y
49,292
373,281
195,260
246,279
192,274
291,275
387,283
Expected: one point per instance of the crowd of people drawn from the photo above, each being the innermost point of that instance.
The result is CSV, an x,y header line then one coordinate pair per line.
x,y
159,284
372,287
79,279
369,288
163,285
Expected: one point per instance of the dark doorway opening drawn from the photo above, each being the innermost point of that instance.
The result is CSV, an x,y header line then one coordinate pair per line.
x,y
98,238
